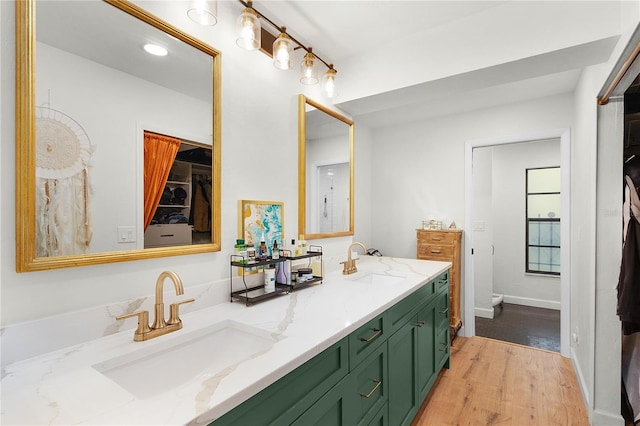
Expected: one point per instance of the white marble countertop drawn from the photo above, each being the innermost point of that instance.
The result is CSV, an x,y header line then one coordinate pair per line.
x,y
63,387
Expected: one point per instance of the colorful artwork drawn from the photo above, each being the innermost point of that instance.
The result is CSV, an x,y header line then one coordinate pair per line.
x,y
261,221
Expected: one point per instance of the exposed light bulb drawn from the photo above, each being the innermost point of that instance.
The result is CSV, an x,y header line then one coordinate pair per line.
x,y
203,12
249,29
282,49
329,82
308,73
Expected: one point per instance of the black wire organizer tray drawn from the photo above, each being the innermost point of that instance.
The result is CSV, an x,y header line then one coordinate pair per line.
x,y
255,294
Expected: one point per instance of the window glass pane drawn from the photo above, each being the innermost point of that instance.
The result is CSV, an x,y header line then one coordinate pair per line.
x,y
533,258
555,235
543,206
534,232
543,180
555,258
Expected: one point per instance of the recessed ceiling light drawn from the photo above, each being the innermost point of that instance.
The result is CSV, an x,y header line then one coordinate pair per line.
x,y
154,49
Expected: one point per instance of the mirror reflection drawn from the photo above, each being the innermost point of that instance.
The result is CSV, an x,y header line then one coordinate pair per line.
x,y
326,140
96,96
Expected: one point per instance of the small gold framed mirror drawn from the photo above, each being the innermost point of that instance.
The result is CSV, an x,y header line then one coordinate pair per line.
x,y
325,171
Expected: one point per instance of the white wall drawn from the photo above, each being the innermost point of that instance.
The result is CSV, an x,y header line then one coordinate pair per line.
x,y
259,134
509,212
111,107
418,168
324,152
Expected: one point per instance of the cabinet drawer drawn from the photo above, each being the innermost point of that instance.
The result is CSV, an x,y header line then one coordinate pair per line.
x,y
442,282
371,386
167,234
285,400
366,339
442,311
435,252
438,238
381,418
441,348
406,308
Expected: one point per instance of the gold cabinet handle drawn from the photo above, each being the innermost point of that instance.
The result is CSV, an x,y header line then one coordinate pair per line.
x,y
436,251
420,323
444,311
436,238
378,383
373,336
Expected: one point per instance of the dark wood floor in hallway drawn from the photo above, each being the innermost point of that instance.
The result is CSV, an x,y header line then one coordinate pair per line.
x,y
497,383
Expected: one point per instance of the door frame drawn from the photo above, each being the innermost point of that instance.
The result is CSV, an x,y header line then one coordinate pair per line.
x,y
564,134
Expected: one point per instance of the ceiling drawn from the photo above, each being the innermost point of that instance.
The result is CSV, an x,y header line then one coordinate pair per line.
x,y
347,32
340,30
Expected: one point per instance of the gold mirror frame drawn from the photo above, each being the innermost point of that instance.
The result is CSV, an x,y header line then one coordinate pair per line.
x,y
303,101
26,259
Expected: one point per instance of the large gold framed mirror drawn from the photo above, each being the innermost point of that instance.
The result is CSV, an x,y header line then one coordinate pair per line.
x,y
325,171
113,143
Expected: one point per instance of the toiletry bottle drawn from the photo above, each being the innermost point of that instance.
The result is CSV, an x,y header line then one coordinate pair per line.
x,y
262,250
275,251
269,279
294,248
302,243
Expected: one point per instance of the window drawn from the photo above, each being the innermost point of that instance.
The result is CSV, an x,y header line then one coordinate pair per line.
x,y
543,221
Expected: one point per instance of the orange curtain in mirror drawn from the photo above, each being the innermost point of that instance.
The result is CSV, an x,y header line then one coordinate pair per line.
x,y
159,153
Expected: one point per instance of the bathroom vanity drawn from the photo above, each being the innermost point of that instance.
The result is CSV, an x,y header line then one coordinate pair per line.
x,y
358,349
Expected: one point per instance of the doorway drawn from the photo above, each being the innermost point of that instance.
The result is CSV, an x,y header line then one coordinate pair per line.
x,y
516,234
476,236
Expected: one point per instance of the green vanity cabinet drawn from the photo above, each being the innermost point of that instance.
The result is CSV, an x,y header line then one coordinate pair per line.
x,y
378,375
285,400
416,355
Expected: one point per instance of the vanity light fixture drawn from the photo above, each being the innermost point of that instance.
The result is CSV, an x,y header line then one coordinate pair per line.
x,y
155,49
249,29
308,71
249,37
203,12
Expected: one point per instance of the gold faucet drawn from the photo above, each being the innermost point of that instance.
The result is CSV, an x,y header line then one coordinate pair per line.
x,y
159,326
350,264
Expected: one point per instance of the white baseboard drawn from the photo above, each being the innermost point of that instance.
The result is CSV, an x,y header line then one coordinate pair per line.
x,y
528,301
604,418
582,382
484,313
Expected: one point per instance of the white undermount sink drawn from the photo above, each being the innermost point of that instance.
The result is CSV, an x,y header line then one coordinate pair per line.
x,y
163,366
380,278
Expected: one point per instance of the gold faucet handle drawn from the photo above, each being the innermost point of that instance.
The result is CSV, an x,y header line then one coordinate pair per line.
x,y
143,321
174,311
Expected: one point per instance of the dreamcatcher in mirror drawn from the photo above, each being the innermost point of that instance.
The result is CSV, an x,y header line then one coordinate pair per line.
x,y
63,155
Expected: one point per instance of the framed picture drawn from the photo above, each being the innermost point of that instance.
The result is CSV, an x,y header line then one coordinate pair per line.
x,y
261,221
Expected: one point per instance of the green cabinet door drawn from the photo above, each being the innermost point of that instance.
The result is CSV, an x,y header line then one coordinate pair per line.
x,y
403,389
330,410
427,371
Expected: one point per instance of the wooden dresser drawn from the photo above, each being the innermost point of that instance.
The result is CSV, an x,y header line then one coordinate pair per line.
x,y
445,245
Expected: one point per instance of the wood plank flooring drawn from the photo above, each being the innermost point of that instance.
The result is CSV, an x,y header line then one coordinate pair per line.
x,y
498,383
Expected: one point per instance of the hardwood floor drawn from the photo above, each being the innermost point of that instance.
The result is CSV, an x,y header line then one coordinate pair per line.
x,y
498,383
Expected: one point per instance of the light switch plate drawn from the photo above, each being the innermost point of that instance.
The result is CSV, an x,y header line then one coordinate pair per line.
x,y
126,234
